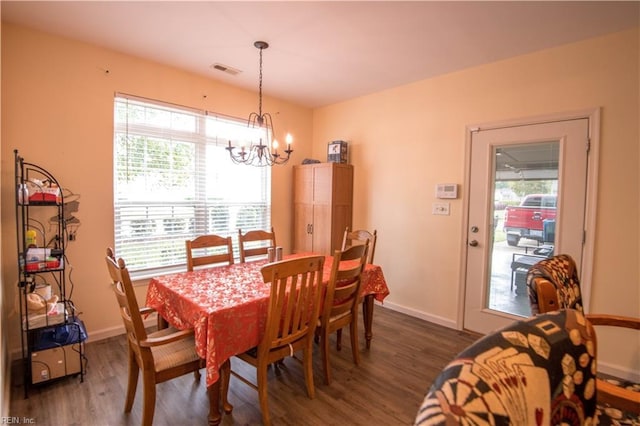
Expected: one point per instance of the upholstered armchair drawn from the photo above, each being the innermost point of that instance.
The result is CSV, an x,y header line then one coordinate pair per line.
x,y
539,371
553,284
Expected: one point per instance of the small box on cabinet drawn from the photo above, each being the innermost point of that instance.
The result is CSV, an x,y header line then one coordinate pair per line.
x,y
337,152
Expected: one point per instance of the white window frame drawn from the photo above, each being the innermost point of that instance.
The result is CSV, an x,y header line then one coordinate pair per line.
x,y
173,181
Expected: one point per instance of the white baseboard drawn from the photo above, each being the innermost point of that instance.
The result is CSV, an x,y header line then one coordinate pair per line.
x,y
618,371
105,333
445,322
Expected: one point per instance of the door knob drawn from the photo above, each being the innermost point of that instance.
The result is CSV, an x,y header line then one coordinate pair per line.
x,y
473,243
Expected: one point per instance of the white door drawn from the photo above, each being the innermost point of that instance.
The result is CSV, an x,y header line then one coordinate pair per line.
x,y
507,164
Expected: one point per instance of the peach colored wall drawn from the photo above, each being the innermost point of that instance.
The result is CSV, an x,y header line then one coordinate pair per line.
x,y
405,140
57,109
5,364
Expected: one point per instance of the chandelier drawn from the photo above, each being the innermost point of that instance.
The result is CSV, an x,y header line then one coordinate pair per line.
x,y
261,154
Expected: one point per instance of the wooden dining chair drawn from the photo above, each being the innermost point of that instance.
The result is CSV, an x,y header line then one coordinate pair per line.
x,y
349,239
292,313
359,236
161,323
553,284
209,250
162,355
340,306
255,243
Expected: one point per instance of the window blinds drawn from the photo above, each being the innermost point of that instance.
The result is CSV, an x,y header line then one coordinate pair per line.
x,y
173,181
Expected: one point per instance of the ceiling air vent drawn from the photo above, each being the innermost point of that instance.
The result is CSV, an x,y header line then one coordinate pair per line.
x,y
226,69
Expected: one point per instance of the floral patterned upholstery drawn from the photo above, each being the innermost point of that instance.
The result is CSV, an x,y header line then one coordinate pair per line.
x,y
539,371
561,272
553,284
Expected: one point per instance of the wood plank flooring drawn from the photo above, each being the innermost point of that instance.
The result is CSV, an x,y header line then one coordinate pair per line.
x,y
405,357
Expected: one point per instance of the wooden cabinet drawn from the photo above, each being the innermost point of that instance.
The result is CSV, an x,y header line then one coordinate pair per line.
x,y
323,206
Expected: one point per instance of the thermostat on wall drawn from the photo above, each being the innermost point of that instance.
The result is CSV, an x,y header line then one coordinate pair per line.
x,y
447,190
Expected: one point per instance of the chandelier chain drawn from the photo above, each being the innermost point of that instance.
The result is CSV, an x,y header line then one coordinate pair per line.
x,y
260,86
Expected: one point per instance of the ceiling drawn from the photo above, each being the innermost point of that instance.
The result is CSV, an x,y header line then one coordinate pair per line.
x,y
325,51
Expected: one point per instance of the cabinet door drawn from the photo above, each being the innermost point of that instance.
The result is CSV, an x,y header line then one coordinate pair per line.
x,y
342,214
322,229
303,185
322,184
302,220
302,209
322,202
341,204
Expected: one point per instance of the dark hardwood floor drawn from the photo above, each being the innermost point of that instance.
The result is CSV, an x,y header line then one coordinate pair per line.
x,y
386,389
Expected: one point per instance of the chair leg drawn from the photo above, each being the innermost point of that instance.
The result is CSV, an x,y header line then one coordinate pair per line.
x,y
263,395
355,350
308,369
149,402
339,339
324,344
132,381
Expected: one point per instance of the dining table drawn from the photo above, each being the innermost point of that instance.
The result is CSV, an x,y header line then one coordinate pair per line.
x,y
226,306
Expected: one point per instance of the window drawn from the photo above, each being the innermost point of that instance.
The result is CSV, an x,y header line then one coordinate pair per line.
x,y
173,181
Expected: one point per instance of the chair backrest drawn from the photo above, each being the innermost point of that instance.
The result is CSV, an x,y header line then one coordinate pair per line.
x,y
538,371
253,243
294,302
343,290
111,254
553,284
359,237
128,306
209,250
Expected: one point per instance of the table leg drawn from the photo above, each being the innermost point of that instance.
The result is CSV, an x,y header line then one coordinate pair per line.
x,y
214,404
367,315
162,323
218,391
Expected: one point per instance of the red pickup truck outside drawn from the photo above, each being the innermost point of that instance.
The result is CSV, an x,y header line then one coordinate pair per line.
x,y
528,220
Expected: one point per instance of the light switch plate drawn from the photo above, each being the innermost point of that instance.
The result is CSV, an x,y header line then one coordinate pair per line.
x,y
440,209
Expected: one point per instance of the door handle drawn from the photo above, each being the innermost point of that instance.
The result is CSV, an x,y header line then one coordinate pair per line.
x,y
473,243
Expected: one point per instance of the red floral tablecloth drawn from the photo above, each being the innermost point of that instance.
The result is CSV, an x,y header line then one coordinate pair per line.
x,y
227,306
